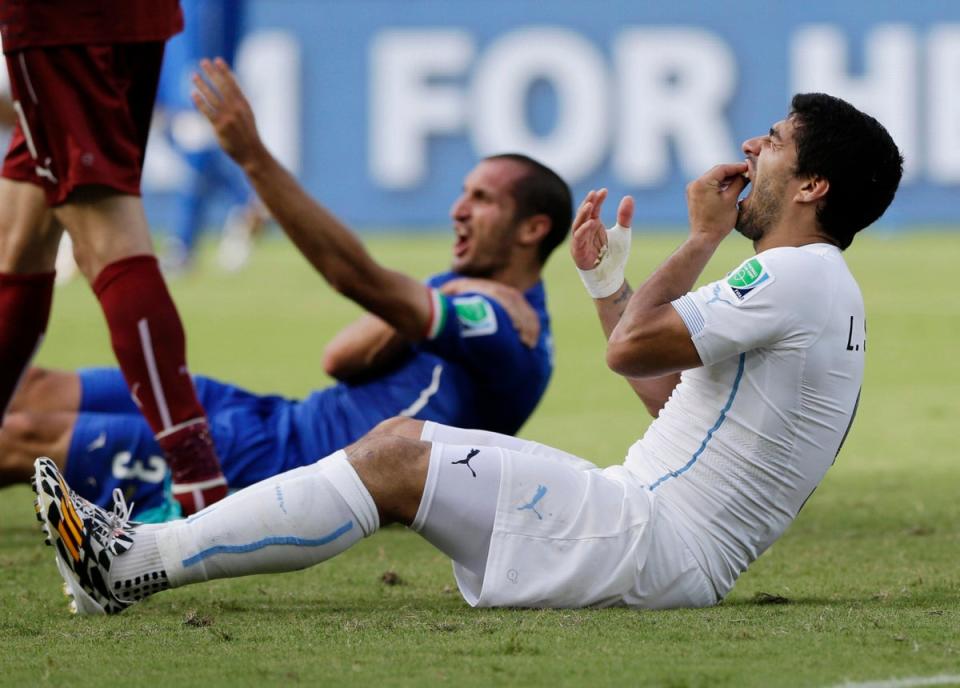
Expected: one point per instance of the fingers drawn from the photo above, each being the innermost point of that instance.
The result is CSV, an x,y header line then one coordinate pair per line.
x,y
218,86
530,336
722,175
732,186
589,209
625,212
205,97
219,73
727,170
600,197
203,106
583,212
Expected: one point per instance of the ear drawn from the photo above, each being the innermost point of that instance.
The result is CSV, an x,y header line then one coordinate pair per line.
x,y
533,230
813,190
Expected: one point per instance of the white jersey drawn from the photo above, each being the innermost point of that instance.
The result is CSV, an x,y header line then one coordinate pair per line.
x,y
746,438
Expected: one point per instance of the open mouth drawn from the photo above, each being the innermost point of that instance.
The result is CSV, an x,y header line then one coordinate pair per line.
x,y
461,243
748,188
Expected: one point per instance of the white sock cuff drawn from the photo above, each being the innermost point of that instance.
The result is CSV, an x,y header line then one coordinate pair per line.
x,y
429,487
347,483
171,555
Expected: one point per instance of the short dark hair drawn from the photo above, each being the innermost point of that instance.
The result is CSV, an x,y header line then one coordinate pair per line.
x,y
852,151
542,191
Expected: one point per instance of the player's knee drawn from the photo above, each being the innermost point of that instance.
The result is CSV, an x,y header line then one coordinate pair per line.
x,y
44,391
390,456
42,433
32,379
18,428
394,470
399,426
15,464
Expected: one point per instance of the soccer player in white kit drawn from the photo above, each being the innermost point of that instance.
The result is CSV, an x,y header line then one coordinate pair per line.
x,y
754,380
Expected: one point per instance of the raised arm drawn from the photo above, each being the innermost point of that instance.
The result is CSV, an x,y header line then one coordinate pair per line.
x,y
650,339
600,255
401,301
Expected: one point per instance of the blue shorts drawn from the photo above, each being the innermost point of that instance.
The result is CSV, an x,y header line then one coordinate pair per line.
x,y
113,447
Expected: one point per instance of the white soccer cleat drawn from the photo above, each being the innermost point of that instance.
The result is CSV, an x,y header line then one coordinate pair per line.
x,y
87,539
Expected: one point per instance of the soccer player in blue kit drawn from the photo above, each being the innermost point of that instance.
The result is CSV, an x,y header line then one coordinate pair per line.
x,y
471,347
211,27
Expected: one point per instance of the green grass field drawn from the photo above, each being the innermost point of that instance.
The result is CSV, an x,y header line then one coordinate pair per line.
x,y
863,587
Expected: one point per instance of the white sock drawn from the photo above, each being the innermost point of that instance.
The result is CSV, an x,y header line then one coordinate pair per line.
x,y
289,522
139,572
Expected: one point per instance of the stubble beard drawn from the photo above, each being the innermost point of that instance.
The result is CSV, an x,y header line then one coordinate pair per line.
x,y
756,218
493,259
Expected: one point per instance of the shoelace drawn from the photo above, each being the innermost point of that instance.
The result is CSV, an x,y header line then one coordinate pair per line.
x,y
120,516
110,521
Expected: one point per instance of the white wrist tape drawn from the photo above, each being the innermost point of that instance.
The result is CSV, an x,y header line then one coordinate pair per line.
x,y
607,276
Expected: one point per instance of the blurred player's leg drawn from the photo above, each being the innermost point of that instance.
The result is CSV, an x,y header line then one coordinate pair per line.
x,y
28,240
43,390
244,223
25,436
212,27
84,113
147,337
190,201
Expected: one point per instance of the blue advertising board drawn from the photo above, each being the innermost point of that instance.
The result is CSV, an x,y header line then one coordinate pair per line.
x,y
381,106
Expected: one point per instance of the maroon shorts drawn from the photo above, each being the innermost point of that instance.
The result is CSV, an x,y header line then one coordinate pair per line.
x,y
84,115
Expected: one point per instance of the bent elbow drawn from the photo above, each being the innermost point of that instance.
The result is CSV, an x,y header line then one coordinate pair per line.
x,y
629,359
333,364
620,359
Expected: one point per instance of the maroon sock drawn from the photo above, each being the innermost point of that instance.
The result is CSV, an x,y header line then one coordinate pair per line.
x,y
150,346
24,311
148,340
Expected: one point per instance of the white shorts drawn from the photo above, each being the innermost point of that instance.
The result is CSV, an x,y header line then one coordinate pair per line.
x,y
569,534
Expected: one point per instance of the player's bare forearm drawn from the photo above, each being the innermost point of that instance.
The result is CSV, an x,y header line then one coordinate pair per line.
x,y
337,253
654,391
340,257
650,339
674,278
323,240
361,348
611,308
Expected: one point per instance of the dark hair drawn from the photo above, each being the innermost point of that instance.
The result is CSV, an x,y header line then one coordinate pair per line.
x,y
853,152
542,191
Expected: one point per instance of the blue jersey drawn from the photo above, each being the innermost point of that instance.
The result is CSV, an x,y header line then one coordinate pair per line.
x,y
472,372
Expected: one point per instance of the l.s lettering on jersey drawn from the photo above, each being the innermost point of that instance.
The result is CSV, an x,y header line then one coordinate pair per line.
x,y
855,340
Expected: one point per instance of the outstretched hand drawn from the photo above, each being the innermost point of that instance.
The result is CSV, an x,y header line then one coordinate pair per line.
x,y
219,98
590,237
601,254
